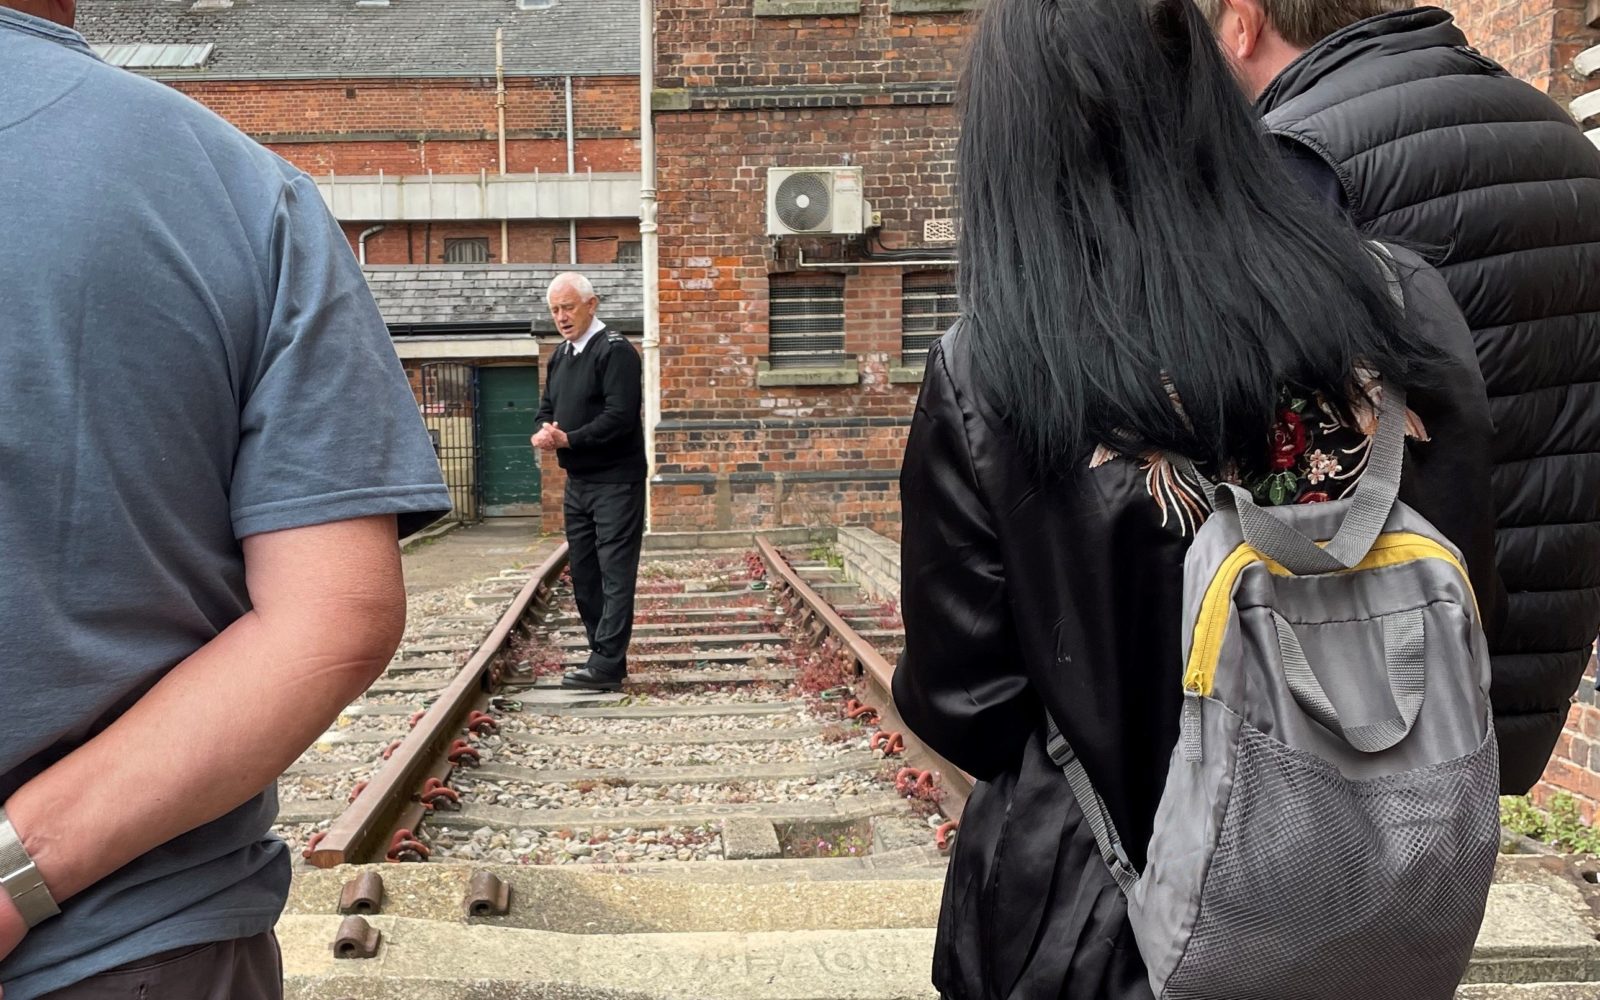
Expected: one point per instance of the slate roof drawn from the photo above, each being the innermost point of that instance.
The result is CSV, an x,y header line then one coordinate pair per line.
x,y
277,39
457,296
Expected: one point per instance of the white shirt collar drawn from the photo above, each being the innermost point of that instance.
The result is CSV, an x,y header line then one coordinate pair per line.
x,y
595,326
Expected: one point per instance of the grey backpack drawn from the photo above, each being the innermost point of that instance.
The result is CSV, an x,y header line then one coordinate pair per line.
x,y
1329,824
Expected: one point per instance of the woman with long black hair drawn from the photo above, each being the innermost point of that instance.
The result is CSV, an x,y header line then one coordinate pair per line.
x,y
1140,280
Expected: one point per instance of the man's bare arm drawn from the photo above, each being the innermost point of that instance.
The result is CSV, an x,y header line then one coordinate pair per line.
x,y
328,612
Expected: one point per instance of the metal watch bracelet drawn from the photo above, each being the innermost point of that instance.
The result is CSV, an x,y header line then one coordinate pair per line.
x,y
20,878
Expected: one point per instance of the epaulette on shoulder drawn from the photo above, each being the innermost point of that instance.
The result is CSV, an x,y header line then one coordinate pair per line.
x,y
615,337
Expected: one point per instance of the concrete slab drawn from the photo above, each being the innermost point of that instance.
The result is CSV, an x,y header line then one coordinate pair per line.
x,y
594,899
711,775
425,960
648,815
709,738
1536,991
654,711
749,838
722,638
1536,933
417,649
475,552
646,679
671,659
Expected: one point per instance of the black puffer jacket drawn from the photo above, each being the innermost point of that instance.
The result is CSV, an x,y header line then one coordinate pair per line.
x,y
1437,146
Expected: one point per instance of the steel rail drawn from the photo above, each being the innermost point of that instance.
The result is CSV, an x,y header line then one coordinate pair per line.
x,y
814,610
389,801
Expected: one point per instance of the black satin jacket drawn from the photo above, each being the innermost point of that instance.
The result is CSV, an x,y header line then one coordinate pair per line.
x,y
1017,596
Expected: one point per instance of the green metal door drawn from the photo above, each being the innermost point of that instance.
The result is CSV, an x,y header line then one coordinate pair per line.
x,y
508,399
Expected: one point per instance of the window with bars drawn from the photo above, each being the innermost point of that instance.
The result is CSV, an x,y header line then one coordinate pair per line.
x,y
927,310
471,250
806,321
630,253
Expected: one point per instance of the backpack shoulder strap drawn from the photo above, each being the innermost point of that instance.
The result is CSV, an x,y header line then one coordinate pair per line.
x,y
1093,806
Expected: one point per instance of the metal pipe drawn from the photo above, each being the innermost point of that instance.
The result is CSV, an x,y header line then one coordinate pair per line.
x,y
829,265
361,242
649,249
572,168
500,108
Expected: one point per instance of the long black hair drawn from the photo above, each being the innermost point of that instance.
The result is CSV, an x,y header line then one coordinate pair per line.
x,y
1125,223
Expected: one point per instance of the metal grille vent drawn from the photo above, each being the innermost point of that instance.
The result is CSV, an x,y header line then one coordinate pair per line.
x,y
928,307
806,321
939,231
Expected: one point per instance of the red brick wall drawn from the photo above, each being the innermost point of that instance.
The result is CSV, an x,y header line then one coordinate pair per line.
x,y
1534,39
871,90
449,126
1575,766
531,242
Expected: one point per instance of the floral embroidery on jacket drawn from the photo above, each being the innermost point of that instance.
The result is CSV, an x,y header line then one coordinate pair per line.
x,y
1312,457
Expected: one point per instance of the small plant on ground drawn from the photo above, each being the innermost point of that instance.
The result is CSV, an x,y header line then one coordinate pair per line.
x,y
1562,825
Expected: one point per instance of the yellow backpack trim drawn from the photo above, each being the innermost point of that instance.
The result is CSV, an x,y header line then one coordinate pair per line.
x,y
1393,549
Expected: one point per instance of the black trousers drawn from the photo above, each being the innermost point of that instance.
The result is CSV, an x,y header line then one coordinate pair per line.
x,y
605,531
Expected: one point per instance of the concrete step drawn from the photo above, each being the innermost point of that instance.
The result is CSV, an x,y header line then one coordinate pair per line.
x,y
645,679
711,775
433,960
660,711
649,815
721,638
770,930
670,660
443,647
567,618
766,622
598,899
710,738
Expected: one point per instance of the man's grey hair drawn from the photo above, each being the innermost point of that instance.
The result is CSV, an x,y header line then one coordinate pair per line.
x,y
573,280
1304,23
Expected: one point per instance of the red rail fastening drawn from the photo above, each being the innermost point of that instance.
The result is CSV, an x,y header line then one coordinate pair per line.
x,y
861,713
462,752
911,780
892,744
355,793
403,842
941,836
416,717
311,844
435,791
389,750
483,724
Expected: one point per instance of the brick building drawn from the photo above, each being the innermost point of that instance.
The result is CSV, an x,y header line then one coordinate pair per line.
x,y
462,185
790,364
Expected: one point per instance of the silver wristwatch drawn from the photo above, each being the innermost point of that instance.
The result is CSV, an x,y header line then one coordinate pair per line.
x,y
20,878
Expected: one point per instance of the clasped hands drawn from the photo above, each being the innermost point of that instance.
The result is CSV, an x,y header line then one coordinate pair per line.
x,y
550,437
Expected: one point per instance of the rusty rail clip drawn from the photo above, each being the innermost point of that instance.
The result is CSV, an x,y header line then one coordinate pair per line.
x,y
488,896
356,939
362,894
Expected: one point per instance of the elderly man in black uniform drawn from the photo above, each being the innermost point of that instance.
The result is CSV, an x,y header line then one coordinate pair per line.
x,y
590,418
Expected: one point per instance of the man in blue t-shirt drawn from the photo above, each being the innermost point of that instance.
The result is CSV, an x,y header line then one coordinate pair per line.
x,y
206,441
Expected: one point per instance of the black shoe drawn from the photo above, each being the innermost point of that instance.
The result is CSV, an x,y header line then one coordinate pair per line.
x,y
590,679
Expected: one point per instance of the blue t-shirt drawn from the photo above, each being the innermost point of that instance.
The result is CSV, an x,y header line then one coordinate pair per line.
x,y
188,355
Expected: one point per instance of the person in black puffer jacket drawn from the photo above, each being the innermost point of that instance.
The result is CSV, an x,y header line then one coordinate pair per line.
x,y
1390,113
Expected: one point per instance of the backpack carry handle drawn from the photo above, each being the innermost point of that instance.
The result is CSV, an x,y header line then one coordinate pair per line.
x,y
1403,644
1370,507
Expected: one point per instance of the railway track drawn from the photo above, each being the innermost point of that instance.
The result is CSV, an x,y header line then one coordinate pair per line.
x,y
755,724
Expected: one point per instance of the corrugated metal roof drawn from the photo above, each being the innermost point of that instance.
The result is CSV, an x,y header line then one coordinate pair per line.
x,y
266,39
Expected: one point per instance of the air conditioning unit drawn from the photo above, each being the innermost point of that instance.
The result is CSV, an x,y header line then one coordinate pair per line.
x,y
817,201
